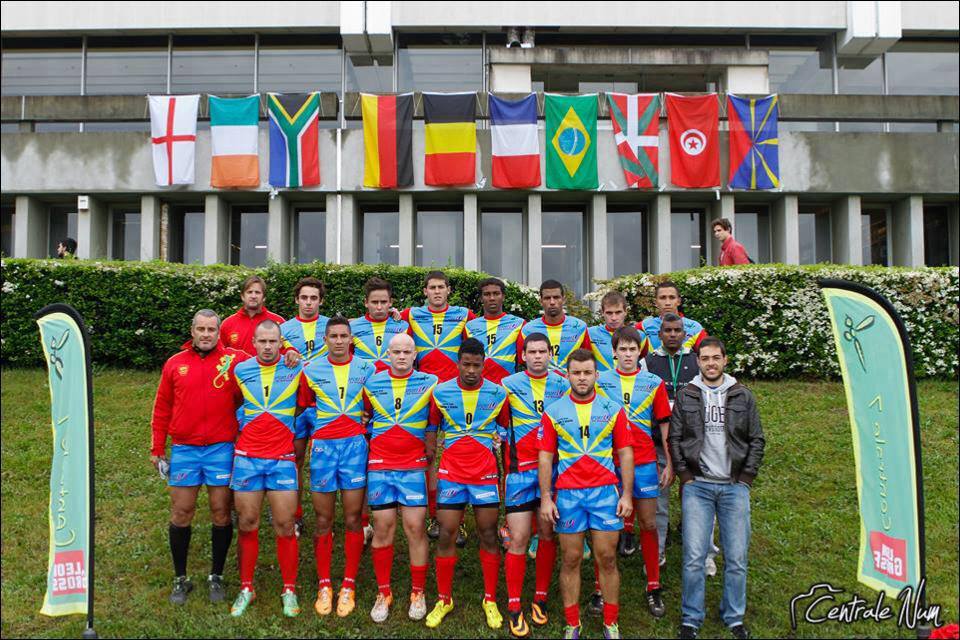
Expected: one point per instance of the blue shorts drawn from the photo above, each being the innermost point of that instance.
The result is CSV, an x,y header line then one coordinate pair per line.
x,y
522,491
646,481
457,495
303,426
594,508
258,474
387,489
193,465
340,463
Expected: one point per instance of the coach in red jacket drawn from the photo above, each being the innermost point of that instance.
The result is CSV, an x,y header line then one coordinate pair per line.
x,y
196,408
731,251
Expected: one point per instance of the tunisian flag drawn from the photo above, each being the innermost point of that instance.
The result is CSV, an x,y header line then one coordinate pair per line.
x,y
694,140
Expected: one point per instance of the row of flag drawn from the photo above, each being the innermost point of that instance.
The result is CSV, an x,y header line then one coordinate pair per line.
x,y
450,139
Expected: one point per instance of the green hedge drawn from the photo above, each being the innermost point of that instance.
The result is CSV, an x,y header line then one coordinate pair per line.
x,y
775,324
138,313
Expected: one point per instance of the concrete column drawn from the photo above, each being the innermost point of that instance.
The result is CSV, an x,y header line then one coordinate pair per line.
x,y
599,260
149,228
534,239
659,251
31,228
845,223
408,230
953,224
278,229
722,208
349,230
786,230
216,230
907,232
471,232
92,227
330,250
511,78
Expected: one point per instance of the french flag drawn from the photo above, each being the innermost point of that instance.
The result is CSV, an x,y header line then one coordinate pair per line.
x,y
516,145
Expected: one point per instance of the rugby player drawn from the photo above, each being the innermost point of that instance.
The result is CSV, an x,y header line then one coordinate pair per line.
x,y
373,331
613,308
497,330
566,333
666,297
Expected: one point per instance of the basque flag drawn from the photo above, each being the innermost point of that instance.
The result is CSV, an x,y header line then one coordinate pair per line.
x,y
387,140
516,145
694,140
451,138
754,143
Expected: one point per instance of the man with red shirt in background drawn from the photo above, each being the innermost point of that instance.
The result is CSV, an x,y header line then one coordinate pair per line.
x,y
731,251
437,330
499,332
237,330
196,407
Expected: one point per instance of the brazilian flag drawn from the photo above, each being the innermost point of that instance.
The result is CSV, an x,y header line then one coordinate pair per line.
x,y
571,141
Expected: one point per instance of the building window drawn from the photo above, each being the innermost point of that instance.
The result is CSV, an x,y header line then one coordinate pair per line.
x,y
213,69
248,236
113,71
688,247
866,81
381,236
297,69
502,243
373,78
626,242
185,232
42,72
936,236
311,235
816,240
923,72
8,219
563,253
439,238
751,227
63,224
874,235
798,71
126,234
440,69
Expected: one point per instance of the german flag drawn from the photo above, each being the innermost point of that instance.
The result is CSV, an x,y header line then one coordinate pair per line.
x,y
387,140
451,138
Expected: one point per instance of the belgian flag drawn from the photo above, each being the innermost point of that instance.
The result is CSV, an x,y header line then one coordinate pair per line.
x,y
387,140
451,138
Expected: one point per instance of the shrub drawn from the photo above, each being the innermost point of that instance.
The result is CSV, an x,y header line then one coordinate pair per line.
x,y
774,321
138,313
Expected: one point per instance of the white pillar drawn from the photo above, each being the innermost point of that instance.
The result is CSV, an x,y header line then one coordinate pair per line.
x,y
92,230
349,232
278,229
661,260
786,230
31,228
149,228
471,232
907,232
216,230
847,241
534,239
599,260
408,230
332,231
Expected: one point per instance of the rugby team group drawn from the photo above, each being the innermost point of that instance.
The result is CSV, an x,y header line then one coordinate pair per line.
x,y
413,415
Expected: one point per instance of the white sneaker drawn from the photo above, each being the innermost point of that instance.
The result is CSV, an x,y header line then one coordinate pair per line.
x,y
663,559
710,566
418,606
381,608
367,534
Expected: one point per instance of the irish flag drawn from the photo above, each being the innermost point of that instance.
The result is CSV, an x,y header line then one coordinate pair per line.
x,y
234,141
516,146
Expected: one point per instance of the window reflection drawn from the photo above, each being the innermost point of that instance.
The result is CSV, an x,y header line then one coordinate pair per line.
x,y
248,237
439,239
687,239
440,69
126,235
501,244
815,235
311,235
752,230
562,250
626,245
936,236
381,237
186,234
873,235
41,72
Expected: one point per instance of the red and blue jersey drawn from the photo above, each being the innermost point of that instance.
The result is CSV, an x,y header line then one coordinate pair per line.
x,y
400,408
527,397
501,339
566,336
650,327
336,390
643,396
371,338
236,331
270,394
584,435
601,344
467,418
306,336
437,336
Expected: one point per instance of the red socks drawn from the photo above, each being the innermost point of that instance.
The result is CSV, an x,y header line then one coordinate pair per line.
x,y
571,613
432,501
418,578
364,518
382,566
353,549
445,567
610,613
628,525
288,557
546,558
490,565
515,566
323,550
298,514
650,546
248,546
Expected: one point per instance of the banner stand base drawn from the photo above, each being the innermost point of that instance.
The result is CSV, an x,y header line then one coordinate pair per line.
x,y
89,632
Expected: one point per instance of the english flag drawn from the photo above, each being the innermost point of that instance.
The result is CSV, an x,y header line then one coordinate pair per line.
x,y
694,140
173,134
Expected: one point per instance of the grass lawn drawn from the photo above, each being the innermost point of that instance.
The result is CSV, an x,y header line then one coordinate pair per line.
x,y
805,531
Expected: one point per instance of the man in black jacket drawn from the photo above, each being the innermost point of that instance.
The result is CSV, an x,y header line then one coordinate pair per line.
x,y
716,443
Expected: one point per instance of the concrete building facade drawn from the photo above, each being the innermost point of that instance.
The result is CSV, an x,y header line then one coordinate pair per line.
x,y
868,135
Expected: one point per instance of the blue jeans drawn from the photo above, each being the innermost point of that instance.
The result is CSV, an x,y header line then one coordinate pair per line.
x,y
730,503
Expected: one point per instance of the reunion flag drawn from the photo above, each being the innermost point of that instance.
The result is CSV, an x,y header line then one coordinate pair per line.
x,y
754,144
636,130
877,368
387,140
234,141
66,348
571,132
173,136
294,139
692,122
451,138
515,142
